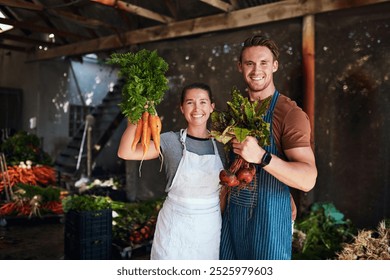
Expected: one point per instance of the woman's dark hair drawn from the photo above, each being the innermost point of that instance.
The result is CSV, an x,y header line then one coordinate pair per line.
x,y
258,40
199,85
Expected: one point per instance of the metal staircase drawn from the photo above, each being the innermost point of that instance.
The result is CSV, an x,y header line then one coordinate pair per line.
x,y
92,136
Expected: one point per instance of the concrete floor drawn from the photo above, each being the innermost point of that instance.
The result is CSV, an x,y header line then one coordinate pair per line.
x,y
30,241
43,240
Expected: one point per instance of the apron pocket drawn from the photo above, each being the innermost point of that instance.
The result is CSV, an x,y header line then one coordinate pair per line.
x,y
244,197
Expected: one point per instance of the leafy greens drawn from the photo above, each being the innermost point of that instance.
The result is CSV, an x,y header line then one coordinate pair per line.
x,y
241,119
145,81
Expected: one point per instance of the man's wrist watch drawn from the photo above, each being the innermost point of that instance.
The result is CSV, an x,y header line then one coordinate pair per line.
x,y
266,159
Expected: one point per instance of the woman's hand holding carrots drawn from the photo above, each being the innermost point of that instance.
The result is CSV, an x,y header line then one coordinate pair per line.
x,y
139,133
148,128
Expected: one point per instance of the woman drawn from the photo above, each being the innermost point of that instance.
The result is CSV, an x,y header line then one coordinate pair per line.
x,y
189,223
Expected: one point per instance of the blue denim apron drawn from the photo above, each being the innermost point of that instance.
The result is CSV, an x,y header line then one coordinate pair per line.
x,y
257,220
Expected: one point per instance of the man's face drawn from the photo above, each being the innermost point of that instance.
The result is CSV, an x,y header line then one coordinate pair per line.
x,y
257,67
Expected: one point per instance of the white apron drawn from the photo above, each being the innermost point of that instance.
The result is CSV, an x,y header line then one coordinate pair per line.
x,y
189,223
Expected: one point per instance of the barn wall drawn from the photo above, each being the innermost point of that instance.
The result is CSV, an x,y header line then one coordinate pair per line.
x,y
353,112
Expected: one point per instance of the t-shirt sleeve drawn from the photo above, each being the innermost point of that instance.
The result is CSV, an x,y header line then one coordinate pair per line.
x,y
296,129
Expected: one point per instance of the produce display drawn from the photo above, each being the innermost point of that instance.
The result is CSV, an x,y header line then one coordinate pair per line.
x,y
28,174
23,147
241,119
321,233
144,88
27,184
134,223
85,203
30,200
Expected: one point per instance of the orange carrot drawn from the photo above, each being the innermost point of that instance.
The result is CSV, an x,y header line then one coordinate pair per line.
x,y
155,127
146,141
7,208
138,133
53,206
145,132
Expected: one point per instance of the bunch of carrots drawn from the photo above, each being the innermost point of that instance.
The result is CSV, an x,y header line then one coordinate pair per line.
x,y
44,174
148,128
40,174
24,208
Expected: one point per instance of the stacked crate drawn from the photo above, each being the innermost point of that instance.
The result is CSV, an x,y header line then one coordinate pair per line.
x,y
88,235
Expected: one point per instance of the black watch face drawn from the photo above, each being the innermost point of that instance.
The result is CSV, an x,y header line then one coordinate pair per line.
x,y
266,159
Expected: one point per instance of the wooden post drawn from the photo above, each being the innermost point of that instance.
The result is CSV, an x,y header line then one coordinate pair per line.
x,y
308,61
308,56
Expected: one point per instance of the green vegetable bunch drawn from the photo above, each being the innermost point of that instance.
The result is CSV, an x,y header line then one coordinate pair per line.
x,y
324,230
241,119
23,146
145,82
47,194
86,203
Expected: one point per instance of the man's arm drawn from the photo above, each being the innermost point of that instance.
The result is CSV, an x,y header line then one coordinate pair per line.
x,y
300,172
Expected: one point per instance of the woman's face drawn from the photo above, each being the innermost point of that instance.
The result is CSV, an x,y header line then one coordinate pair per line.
x,y
197,106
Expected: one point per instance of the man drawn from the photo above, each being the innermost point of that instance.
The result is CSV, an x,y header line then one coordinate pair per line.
x,y
257,221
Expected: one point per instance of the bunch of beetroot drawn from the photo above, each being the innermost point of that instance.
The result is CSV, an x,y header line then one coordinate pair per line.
x,y
239,174
241,119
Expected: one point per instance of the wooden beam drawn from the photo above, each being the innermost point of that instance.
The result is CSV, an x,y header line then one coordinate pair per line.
x,y
171,4
13,48
28,40
139,11
80,20
136,10
21,4
221,22
37,28
226,7
66,15
235,4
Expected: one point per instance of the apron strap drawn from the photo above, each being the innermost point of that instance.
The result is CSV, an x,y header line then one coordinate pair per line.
x,y
183,136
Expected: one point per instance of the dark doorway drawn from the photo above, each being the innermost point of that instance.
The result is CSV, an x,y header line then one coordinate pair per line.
x,y
11,113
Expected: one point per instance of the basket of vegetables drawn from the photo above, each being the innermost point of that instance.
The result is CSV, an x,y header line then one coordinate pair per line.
x,y
144,88
241,119
88,227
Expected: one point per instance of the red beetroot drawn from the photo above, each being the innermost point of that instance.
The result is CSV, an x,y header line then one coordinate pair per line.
x,y
245,175
228,178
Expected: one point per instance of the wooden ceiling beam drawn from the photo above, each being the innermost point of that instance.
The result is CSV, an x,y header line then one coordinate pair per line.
x,y
91,23
28,40
235,4
223,6
13,48
172,7
22,4
41,29
136,10
80,20
236,19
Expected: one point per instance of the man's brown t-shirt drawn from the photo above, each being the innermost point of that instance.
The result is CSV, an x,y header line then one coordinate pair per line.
x,y
291,125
